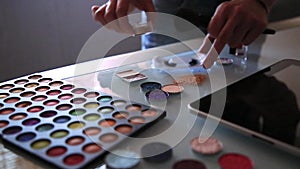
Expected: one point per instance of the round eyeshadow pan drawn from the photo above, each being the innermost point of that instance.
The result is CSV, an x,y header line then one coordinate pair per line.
x,y
59,134
107,123
156,152
149,113
137,120
77,112
73,159
35,77
108,137
134,108
75,140
124,129
31,122
91,117
7,86
3,95
149,86
67,87
105,110
23,104
62,119
51,102
91,131
40,144
78,90
91,105
7,111
172,88
78,100
56,151
53,92
118,103
21,81
27,94
44,127
31,85
12,100
26,136
76,125
12,130
49,113
92,148
56,83
18,116
65,96
42,88
235,161
35,109
157,95
122,159
45,80
16,90
121,115
3,123
104,99
1,105
206,146
39,98
91,94
189,163
63,107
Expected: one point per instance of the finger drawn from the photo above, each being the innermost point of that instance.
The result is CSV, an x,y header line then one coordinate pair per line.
x,y
110,12
239,32
122,12
206,44
251,36
218,20
99,14
94,8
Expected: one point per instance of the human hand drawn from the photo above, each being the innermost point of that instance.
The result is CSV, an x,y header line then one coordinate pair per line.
x,y
237,23
117,11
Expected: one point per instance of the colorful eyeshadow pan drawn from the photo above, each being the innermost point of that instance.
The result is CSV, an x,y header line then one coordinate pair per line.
x,y
235,161
42,88
45,80
92,131
77,112
74,159
105,110
122,159
156,95
172,89
104,99
3,123
92,148
6,111
31,85
12,130
12,100
35,109
56,151
56,83
78,100
207,146
67,87
7,86
44,127
91,94
118,103
91,117
59,134
76,125
16,90
62,119
27,94
123,129
40,144
51,102
137,120
121,115
133,108
78,90
53,92
76,140
23,104
189,163
3,95
64,107
149,86
1,105
91,105
26,137
48,114
65,96
22,81
31,122
18,116
35,77
108,138
149,113
39,98
107,123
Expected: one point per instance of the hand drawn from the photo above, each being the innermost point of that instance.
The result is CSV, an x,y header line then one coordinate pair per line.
x,y
237,23
119,9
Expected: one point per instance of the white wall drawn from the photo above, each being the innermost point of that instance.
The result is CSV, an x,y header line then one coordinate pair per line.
x,y
37,35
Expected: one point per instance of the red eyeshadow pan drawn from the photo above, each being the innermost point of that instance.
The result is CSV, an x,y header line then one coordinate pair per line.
x,y
35,109
123,129
18,116
6,111
74,159
76,140
3,123
67,87
27,94
92,148
51,102
23,104
56,151
53,92
65,96
12,100
39,98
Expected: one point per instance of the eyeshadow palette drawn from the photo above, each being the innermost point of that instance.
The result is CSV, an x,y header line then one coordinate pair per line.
x,y
64,125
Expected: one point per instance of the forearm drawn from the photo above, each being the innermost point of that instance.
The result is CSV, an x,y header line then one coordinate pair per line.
x,y
267,4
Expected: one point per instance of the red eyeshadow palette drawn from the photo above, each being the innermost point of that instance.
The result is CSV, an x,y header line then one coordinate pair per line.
x,y
66,126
